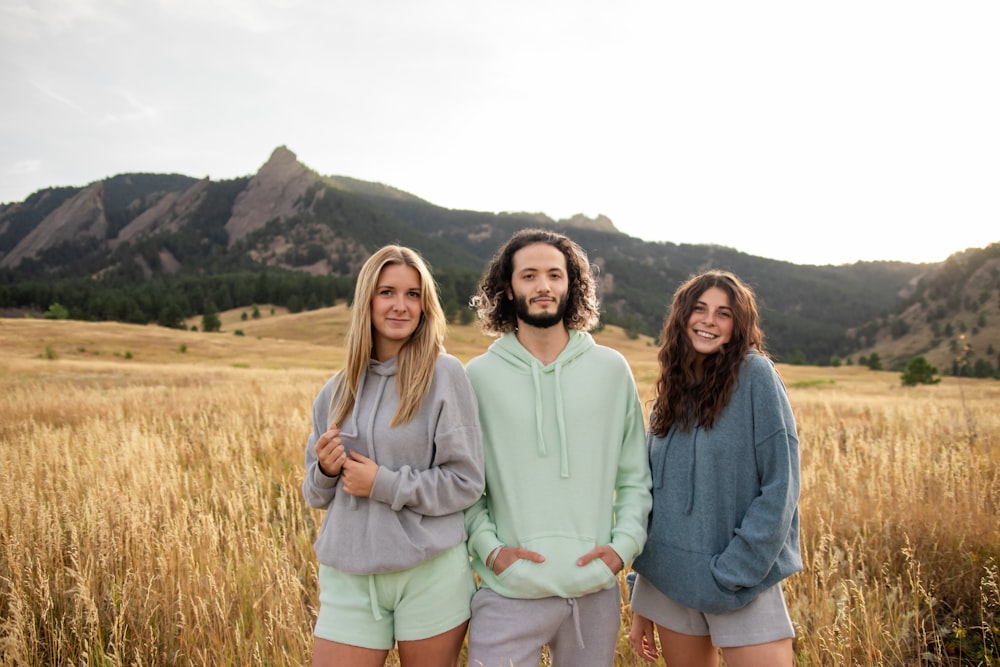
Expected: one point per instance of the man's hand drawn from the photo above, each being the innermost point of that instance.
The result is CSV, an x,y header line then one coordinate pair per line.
x,y
510,555
605,553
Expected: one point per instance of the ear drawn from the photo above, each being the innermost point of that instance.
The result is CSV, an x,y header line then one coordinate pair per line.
x,y
509,292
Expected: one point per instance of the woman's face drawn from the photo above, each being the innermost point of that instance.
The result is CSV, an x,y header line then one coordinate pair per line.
x,y
710,325
396,309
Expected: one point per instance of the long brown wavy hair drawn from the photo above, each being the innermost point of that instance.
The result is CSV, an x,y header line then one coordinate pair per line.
x,y
682,396
497,314
418,356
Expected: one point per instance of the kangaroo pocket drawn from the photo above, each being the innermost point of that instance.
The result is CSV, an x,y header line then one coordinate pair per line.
x,y
685,577
559,575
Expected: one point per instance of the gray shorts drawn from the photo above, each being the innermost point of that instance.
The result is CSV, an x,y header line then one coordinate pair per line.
x,y
580,632
764,619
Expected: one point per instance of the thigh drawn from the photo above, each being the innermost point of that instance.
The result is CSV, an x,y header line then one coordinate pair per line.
x,y
778,653
590,635
681,650
507,632
332,654
441,650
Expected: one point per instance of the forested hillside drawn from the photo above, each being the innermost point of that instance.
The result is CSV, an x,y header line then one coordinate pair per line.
x,y
148,248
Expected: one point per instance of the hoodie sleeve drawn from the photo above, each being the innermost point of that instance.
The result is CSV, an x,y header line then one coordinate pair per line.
x,y
765,528
456,479
318,490
633,499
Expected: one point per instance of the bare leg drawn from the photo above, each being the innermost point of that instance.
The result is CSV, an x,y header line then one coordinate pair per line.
x,y
772,654
334,654
680,650
440,650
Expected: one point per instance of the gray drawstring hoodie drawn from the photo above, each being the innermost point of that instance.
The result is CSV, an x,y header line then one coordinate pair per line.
x,y
430,470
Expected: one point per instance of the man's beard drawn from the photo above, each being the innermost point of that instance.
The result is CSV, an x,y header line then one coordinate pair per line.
x,y
544,320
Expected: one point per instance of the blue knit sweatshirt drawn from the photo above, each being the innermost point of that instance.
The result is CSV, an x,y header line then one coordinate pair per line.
x,y
725,518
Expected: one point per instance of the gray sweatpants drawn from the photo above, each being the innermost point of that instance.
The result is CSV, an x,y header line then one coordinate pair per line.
x,y
580,632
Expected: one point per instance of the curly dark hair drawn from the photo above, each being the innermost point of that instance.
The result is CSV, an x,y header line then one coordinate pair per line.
x,y
682,397
497,313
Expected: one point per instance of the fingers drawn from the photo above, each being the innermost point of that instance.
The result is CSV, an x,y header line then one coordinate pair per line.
x,y
528,554
605,553
330,452
510,555
642,638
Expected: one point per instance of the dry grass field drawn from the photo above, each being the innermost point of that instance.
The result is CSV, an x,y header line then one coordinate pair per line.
x,y
151,509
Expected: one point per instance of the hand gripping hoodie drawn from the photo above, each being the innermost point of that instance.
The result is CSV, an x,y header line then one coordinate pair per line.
x,y
566,466
430,470
725,519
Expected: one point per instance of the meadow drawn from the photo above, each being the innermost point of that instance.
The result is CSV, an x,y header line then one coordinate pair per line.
x,y
151,508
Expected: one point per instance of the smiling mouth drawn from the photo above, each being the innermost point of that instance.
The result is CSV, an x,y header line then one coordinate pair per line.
x,y
705,335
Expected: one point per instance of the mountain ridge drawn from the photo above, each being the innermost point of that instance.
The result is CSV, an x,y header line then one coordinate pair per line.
x,y
136,233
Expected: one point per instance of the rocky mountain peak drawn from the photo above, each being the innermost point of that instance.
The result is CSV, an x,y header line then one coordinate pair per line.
x,y
272,193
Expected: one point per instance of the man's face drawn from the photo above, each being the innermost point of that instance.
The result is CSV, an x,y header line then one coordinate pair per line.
x,y
539,285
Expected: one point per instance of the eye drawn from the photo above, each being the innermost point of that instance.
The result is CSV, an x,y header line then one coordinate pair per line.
x,y
413,294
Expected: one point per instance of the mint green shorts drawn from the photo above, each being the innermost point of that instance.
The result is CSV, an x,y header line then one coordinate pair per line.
x,y
376,610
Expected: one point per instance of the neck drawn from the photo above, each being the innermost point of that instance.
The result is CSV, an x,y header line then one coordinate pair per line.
x,y
543,344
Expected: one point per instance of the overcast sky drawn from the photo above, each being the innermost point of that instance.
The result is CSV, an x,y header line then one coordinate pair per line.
x,y
812,132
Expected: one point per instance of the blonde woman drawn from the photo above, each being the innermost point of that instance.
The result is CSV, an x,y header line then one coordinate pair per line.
x,y
395,456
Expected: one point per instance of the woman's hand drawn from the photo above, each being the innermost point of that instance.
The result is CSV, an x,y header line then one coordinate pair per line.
x,y
358,475
330,452
642,636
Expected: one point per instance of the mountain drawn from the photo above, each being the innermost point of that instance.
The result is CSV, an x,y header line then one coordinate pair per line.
x,y
158,248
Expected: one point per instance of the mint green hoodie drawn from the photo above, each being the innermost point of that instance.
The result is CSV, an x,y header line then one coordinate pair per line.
x,y
566,466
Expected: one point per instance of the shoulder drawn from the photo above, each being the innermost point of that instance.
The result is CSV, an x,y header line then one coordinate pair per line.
x,y
602,354
762,374
449,367
758,364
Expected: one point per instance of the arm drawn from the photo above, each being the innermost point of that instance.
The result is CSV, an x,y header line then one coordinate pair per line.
x,y
456,480
768,521
633,484
319,488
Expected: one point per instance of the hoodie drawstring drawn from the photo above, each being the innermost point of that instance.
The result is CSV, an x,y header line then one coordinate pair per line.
x,y
536,373
660,471
537,380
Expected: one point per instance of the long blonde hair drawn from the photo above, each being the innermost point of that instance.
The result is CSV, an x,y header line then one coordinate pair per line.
x,y
417,357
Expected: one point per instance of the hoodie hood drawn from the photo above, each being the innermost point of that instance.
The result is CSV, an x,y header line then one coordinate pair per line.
x,y
509,348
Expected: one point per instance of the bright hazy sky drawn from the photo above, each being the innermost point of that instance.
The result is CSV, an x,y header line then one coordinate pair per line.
x,y
813,132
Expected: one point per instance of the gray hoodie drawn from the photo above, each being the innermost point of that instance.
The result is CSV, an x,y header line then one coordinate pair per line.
x,y
430,470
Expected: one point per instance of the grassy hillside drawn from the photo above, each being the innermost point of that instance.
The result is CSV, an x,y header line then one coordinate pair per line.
x,y
152,509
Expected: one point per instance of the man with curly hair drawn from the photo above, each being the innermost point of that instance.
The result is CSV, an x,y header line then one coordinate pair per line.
x,y
567,478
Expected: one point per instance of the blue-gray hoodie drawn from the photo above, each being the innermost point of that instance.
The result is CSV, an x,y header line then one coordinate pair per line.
x,y
725,519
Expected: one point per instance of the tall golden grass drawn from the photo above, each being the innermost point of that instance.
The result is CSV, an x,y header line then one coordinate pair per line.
x,y
151,509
